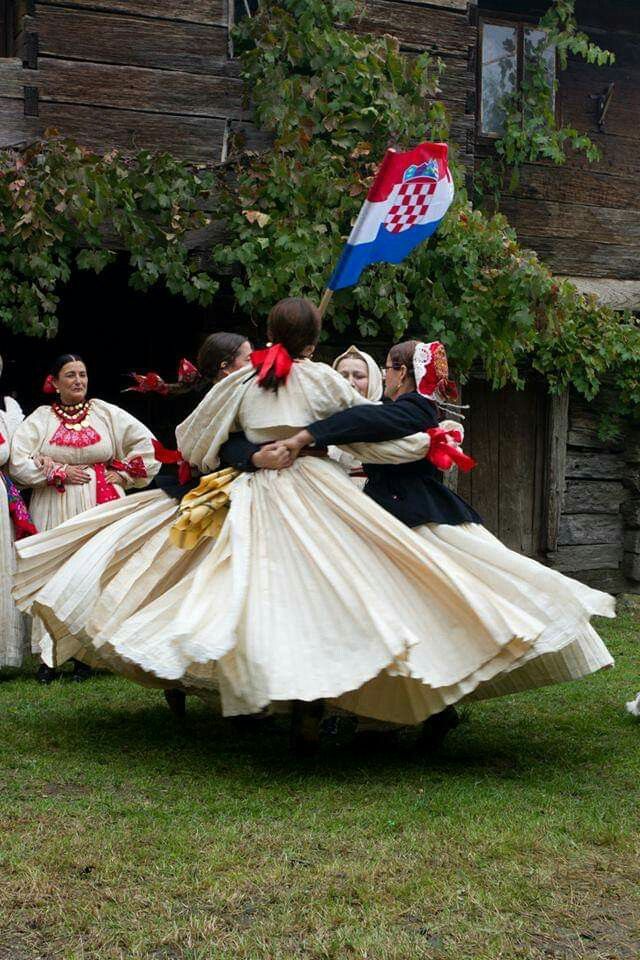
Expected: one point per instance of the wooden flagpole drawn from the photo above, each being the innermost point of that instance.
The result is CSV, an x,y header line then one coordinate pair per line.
x,y
324,303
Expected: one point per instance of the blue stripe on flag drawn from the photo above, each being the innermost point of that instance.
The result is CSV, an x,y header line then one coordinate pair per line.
x,y
388,247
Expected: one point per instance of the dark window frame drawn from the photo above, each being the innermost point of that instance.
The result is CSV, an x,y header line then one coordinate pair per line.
x,y
521,24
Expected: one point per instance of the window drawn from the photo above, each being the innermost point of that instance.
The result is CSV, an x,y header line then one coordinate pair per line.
x,y
505,50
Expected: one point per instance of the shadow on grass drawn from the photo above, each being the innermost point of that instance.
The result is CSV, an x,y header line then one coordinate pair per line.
x,y
525,738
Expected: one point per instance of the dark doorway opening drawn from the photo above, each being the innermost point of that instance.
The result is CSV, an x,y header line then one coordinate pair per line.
x,y
118,330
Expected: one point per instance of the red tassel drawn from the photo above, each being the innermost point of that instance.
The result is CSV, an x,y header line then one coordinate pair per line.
x,y
444,452
187,372
49,386
276,358
148,383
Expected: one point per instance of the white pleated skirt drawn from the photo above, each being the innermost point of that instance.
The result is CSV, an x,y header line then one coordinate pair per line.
x,y
310,591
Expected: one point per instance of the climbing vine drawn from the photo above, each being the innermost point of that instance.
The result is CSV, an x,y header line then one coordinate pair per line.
x,y
63,206
332,101
532,131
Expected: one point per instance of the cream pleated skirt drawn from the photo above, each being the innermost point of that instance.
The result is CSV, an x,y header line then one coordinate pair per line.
x,y
310,591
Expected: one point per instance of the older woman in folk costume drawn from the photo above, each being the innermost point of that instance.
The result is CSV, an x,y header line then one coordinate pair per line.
x,y
76,453
15,523
311,590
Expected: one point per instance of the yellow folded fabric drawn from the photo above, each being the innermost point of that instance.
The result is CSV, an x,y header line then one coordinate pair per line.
x,y
203,510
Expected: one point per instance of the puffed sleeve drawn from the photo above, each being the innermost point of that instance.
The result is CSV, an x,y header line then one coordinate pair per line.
x,y
26,444
202,434
135,458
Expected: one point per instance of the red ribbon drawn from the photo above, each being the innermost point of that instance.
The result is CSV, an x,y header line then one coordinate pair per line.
x,y
48,386
134,468
148,383
444,450
276,358
173,456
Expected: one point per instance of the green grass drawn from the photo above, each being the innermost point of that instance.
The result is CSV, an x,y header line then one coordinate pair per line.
x,y
126,834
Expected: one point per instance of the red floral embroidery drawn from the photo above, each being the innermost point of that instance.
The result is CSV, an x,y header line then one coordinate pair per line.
x,y
66,437
2,440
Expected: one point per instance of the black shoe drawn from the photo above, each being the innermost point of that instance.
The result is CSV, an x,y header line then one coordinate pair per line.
x,y
176,701
46,674
305,727
81,672
436,727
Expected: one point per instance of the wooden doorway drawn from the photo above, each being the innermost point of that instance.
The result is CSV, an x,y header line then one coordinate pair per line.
x,y
506,432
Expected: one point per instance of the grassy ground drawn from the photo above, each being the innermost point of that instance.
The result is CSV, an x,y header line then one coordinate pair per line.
x,y
124,834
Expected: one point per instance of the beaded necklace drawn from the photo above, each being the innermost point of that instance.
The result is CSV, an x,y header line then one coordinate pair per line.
x,y
73,415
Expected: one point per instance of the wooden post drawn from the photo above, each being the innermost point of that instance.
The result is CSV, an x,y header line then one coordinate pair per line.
x,y
558,425
324,303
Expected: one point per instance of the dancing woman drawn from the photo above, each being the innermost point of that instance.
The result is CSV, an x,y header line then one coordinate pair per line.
x,y
567,647
75,453
311,590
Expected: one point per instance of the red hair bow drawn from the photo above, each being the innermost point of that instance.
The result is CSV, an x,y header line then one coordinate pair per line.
x,y
276,358
173,456
444,450
49,386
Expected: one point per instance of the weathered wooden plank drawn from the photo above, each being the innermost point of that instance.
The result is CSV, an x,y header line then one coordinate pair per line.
x,y
578,85
555,467
194,11
583,429
609,581
14,78
422,27
594,496
481,486
102,129
631,514
113,38
631,566
139,88
569,185
632,541
545,218
596,466
582,528
586,259
522,420
15,128
445,4
619,294
600,556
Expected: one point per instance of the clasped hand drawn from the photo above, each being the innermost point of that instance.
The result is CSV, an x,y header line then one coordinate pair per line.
x,y
281,454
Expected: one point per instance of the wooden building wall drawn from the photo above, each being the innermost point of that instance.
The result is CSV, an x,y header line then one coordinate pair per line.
x,y
129,74
584,219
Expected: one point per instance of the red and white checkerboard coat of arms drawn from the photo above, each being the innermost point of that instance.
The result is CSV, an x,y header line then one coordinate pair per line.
x,y
411,205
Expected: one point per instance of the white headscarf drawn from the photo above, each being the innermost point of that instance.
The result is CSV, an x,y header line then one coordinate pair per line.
x,y
374,390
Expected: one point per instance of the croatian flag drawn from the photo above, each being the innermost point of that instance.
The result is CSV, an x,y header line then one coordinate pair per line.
x,y
405,205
